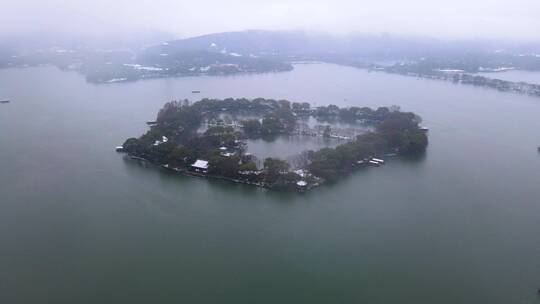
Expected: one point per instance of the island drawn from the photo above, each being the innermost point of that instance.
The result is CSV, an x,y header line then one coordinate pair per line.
x,y
459,70
194,139
464,75
159,62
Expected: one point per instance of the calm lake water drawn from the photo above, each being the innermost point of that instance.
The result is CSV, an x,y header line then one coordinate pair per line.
x,y
286,147
79,224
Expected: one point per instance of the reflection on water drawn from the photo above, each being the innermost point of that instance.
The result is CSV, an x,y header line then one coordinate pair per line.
x,y
309,137
286,146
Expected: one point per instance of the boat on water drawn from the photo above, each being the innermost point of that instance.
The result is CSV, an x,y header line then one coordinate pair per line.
x,y
374,163
4,101
362,162
377,160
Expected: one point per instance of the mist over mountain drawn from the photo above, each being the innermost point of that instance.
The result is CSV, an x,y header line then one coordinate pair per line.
x,y
266,43
457,19
114,39
301,43
119,57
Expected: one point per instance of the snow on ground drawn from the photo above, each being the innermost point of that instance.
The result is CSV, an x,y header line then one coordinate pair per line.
x,y
117,80
143,68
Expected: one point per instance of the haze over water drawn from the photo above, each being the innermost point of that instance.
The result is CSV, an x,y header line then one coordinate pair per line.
x,y
79,224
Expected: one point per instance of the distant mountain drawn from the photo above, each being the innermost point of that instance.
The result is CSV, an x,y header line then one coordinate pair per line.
x,y
297,43
303,44
258,51
254,43
6,56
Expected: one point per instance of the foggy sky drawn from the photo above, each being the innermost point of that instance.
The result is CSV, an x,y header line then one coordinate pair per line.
x,y
501,19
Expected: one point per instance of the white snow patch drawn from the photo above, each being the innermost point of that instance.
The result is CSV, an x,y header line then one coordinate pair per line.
x,y
117,80
142,68
450,71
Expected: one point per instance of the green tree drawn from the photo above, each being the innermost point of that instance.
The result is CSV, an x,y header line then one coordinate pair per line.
x,y
226,166
180,157
133,146
327,132
274,168
252,127
413,143
248,167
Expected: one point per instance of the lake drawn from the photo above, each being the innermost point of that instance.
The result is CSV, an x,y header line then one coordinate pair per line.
x,y
81,224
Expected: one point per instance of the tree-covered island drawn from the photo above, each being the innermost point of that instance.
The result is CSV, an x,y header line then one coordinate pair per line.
x,y
194,140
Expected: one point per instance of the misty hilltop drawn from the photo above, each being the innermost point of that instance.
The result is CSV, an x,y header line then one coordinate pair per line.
x,y
260,51
303,43
295,43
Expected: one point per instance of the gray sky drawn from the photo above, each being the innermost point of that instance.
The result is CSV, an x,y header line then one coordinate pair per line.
x,y
516,19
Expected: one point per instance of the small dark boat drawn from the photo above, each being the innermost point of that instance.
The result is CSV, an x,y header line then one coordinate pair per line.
x,y
4,101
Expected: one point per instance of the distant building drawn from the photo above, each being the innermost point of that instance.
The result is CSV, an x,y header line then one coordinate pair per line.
x,y
164,139
200,166
300,172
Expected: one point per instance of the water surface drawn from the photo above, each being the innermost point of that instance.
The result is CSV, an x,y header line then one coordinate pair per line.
x,y
79,224
288,146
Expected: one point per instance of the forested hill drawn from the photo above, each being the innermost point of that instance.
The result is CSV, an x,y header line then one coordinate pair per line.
x,y
299,43
254,43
